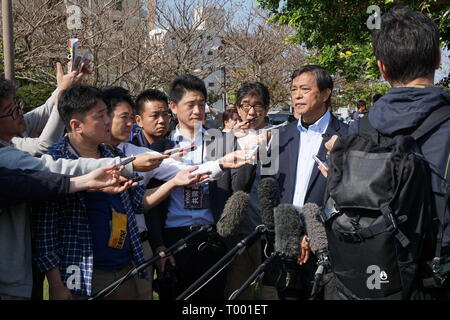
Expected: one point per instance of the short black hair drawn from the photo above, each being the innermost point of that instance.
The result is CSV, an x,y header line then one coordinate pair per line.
x,y
253,89
76,101
361,103
323,78
184,83
407,43
7,88
149,95
113,95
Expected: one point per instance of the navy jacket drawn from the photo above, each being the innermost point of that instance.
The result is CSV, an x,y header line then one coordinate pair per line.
x,y
404,109
289,148
17,186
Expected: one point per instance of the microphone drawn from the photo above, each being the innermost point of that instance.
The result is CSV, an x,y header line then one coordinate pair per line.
x,y
288,229
176,247
268,197
233,214
318,243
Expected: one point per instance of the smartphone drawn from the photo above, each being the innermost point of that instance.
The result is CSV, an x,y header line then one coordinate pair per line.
x,y
83,59
72,43
275,127
319,162
136,178
253,119
125,162
190,148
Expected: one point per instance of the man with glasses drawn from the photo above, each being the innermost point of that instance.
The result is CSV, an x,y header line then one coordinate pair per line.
x,y
252,100
14,109
42,126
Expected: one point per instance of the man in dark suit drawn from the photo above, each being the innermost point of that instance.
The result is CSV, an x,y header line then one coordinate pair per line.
x,y
298,176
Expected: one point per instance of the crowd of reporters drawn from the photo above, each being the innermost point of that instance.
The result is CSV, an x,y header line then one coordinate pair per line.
x,y
195,213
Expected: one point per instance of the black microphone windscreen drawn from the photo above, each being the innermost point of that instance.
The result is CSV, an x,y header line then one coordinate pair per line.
x,y
269,198
314,228
288,229
233,213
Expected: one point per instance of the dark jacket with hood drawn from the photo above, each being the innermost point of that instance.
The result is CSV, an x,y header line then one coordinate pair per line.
x,y
405,108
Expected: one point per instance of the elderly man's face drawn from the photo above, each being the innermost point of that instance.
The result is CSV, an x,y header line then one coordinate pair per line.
x,y
307,99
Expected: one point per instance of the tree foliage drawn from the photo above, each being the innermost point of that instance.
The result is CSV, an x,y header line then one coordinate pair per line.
x,y
336,31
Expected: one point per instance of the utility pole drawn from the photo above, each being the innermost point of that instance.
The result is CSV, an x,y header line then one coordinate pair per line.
x,y
224,88
8,46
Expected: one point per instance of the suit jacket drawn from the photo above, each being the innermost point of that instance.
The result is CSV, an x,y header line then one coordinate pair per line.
x,y
288,153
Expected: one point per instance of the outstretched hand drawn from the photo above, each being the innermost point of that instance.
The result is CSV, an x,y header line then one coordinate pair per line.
x,y
109,180
236,159
146,161
186,178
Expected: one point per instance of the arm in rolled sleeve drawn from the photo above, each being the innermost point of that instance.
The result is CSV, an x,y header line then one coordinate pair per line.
x,y
37,118
51,133
170,167
13,158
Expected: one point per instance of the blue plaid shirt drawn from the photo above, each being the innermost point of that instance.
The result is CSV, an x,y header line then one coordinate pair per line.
x,y
62,235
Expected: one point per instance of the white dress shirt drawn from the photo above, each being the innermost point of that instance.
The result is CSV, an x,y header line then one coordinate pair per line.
x,y
310,141
177,215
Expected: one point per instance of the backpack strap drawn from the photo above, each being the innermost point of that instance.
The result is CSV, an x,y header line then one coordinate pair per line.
x,y
366,129
441,227
434,119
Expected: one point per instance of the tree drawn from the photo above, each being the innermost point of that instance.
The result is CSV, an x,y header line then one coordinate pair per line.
x,y
264,55
337,34
201,37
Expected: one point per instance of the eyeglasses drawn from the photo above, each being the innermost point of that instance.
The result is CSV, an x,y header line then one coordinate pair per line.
x,y
15,112
258,107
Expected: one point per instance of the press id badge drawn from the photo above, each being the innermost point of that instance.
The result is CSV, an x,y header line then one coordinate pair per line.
x,y
118,230
193,198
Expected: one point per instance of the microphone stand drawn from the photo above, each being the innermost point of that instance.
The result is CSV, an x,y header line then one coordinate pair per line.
x,y
176,247
323,263
258,273
222,263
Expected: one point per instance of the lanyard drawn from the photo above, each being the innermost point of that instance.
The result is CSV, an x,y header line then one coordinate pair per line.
x,y
73,148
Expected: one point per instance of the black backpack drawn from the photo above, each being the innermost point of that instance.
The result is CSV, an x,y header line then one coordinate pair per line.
x,y
379,214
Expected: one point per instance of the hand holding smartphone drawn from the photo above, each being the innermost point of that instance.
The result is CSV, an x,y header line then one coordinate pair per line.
x,y
319,162
190,148
253,119
136,178
125,162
